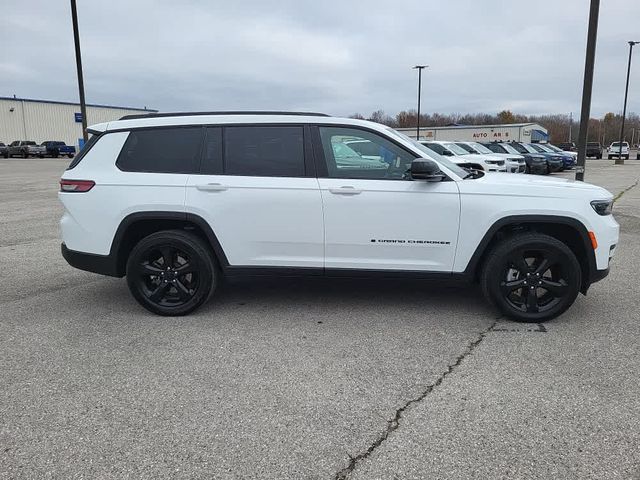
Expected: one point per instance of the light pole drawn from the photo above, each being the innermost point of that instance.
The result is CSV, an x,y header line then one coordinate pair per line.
x,y
570,124
76,39
419,68
587,86
620,160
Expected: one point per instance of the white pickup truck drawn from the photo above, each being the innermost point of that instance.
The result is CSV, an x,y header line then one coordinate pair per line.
x,y
615,150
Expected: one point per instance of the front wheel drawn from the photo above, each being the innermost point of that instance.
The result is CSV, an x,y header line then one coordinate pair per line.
x,y
171,272
531,277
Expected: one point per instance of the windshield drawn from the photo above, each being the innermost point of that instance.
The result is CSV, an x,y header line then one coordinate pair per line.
x,y
480,148
544,148
510,149
428,153
528,148
456,149
617,144
553,148
468,148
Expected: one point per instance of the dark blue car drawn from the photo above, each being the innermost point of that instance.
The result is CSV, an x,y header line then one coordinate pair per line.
x,y
567,159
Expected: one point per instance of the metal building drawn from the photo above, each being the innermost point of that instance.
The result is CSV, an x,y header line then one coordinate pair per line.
x,y
40,120
519,132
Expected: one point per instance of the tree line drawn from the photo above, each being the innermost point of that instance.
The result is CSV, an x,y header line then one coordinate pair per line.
x,y
561,128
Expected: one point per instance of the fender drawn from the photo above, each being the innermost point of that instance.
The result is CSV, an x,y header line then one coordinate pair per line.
x,y
515,220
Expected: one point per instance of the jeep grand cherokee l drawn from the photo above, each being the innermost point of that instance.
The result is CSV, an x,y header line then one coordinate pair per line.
x,y
176,202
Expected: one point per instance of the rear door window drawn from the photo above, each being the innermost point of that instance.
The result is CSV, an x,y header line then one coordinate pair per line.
x,y
264,151
162,150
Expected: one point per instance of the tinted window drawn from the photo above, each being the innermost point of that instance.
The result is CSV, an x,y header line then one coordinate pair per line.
x,y
436,147
161,150
466,147
83,151
381,158
520,148
264,151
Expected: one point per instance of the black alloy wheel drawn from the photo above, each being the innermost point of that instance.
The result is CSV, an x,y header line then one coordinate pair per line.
x,y
531,277
171,272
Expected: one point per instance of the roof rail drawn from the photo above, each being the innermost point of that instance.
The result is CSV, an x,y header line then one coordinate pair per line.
x,y
189,114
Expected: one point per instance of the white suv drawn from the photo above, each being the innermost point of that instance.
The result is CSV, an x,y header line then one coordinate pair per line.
x,y
614,150
175,202
514,163
459,156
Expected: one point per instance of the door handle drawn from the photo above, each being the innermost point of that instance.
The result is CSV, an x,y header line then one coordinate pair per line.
x,y
212,187
346,190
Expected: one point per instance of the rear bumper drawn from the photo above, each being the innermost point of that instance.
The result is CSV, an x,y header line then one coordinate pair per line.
x,y
598,275
102,264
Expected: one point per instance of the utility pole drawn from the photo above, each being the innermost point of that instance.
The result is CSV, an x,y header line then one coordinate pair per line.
x,y
76,39
587,87
570,125
620,160
419,68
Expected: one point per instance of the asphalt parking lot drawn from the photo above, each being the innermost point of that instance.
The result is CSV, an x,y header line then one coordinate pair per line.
x,y
307,379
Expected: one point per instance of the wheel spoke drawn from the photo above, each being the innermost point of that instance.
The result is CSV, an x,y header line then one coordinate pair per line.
x,y
548,261
148,269
184,269
520,263
508,287
557,289
167,256
159,292
532,301
183,292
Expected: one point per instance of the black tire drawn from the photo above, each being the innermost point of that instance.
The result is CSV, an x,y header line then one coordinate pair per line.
x,y
70,155
25,155
609,157
626,157
517,262
187,282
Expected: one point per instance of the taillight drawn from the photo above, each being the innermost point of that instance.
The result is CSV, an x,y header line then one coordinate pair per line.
x,y
78,186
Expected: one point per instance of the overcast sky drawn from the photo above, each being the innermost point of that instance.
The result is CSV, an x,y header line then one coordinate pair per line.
x,y
338,57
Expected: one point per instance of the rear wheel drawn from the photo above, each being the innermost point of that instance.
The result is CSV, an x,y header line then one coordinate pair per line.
x,y
25,155
531,277
171,272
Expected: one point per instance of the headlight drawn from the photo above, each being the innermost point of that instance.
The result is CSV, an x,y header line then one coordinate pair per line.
x,y
602,207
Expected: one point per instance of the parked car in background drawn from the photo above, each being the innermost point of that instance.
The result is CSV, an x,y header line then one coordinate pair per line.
x,y
594,149
554,162
556,149
568,161
4,150
568,147
457,154
615,150
514,162
26,149
56,148
535,163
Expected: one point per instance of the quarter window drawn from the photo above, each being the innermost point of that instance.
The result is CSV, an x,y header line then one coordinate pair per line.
x,y
161,150
354,153
269,151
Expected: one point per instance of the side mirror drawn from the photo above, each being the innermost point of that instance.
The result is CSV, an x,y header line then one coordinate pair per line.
x,y
426,169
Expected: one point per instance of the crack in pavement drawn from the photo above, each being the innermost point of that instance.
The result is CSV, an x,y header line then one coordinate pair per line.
x,y
394,423
617,197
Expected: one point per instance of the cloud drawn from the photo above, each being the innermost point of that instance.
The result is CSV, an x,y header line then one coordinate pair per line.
x,y
338,57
